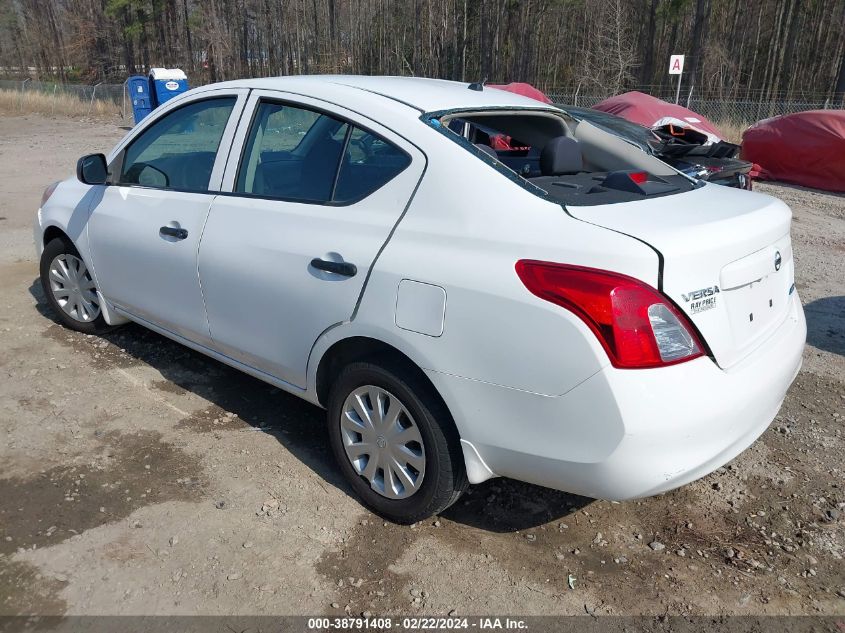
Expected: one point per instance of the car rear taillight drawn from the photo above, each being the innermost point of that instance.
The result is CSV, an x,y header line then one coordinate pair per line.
x,y
48,192
636,325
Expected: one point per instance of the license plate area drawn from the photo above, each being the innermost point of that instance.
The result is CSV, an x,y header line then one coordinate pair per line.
x,y
756,308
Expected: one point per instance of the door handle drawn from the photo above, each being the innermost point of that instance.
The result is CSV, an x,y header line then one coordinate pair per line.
x,y
338,268
169,231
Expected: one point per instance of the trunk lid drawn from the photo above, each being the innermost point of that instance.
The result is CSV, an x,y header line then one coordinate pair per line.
x,y
727,260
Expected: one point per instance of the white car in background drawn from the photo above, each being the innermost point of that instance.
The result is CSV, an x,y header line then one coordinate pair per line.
x,y
569,311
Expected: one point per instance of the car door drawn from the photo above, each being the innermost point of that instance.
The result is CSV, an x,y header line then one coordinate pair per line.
x,y
145,229
287,248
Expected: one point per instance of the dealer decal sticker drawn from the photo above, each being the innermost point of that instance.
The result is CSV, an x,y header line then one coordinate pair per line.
x,y
701,300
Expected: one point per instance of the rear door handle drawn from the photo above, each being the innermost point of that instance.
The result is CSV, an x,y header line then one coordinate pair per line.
x,y
339,268
169,231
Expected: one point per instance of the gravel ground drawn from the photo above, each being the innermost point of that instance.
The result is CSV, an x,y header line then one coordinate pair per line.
x,y
139,477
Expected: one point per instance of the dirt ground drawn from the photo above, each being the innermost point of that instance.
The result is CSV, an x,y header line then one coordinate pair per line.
x,y
139,477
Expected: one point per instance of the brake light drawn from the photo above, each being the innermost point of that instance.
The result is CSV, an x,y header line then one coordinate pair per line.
x,y
639,177
48,192
637,326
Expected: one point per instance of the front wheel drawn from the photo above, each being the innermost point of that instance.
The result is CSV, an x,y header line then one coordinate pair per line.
x,y
395,442
70,289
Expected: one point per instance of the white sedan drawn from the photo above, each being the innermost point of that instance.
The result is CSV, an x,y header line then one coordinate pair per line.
x,y
472,283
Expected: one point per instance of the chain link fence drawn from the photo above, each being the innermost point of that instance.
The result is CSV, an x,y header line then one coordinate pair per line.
x,y
736,111
112,98
97,98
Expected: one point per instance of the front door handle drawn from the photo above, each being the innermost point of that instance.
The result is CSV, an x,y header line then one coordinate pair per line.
x,y
339,268
170,231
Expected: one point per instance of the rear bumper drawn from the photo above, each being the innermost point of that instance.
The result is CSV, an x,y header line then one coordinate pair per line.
x,y
626,434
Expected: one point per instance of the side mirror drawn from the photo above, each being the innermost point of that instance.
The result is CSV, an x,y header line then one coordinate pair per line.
x,y
92,169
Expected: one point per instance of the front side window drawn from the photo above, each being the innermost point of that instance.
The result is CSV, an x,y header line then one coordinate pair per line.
x,y
178,150
296,154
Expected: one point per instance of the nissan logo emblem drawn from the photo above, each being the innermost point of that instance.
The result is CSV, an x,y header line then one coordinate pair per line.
x,y
777,260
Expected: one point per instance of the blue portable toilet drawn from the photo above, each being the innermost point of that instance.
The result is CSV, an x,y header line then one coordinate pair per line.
x,y
148,93
166,83
142,98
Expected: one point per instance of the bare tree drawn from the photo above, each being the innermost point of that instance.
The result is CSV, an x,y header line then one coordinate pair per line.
x,y
610,58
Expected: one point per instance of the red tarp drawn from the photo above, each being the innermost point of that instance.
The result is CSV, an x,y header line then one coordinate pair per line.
x,y
653,112
526,90
806,148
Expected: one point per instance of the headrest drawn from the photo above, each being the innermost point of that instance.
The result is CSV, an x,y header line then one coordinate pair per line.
x,y
561,155
487,149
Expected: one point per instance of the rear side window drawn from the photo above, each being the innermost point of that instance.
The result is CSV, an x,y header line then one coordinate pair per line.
x,y
179,149
368,163
296,154
291,153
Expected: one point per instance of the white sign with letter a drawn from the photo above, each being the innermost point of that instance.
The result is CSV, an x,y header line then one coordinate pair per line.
x,y
676,64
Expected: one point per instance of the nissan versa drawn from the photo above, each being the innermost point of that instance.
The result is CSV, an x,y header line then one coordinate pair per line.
x,y
588,319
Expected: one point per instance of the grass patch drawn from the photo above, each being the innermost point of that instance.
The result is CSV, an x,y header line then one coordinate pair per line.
x,y
732,130
32,102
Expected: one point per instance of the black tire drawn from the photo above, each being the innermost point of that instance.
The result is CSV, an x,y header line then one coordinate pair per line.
x,y
54,248
445,475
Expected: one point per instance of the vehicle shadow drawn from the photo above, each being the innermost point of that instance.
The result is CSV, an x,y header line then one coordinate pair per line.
x,y
826,324
498,505
507,505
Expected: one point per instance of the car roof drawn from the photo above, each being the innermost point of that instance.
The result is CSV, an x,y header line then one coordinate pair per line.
x,y
425,95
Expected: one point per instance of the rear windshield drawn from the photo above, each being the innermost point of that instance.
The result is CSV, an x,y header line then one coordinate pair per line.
x,y
634,132
515,139
558,157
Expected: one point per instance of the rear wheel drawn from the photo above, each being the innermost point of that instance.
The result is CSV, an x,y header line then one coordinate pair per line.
x,y
69,288
395,442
